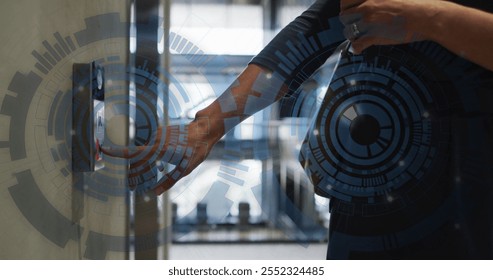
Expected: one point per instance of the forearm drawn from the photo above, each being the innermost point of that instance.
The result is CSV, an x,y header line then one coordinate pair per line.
x,y
264,80
465,31
253,90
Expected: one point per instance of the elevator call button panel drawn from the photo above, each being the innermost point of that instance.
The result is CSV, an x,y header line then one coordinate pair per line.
x,y
87,117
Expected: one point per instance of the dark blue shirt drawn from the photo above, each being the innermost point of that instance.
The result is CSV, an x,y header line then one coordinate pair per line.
x,y
403,144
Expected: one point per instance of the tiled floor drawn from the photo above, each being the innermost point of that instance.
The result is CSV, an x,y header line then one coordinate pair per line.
x,y
249,251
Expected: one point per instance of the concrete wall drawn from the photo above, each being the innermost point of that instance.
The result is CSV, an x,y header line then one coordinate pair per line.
x,y
42,215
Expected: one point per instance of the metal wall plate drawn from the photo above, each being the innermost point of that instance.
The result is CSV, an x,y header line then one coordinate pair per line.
x,y
87,117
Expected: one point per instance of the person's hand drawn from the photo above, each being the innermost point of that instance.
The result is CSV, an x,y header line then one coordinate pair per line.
x,y
185,146
385,22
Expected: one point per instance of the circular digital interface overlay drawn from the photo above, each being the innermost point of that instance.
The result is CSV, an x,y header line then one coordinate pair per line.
x,y
381,130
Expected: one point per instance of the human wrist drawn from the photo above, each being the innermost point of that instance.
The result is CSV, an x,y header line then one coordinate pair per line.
x,y
209,124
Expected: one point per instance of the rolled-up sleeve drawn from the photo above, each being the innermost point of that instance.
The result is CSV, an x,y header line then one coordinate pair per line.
x,y
304,44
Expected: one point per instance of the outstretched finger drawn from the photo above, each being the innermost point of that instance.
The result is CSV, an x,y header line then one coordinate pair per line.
x,y
192,158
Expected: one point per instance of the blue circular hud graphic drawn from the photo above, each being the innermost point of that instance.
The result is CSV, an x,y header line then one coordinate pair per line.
x,y
388,146
53,132
378,128
381,140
